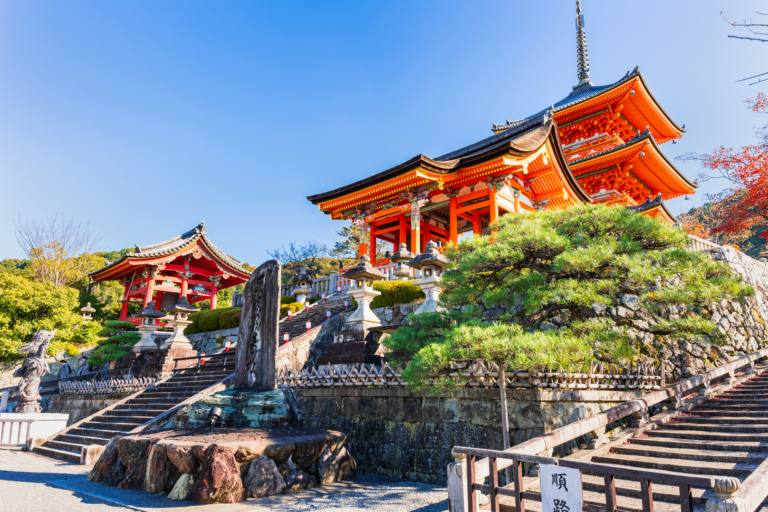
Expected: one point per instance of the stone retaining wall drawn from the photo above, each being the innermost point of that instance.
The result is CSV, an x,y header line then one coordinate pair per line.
x,y
397,433
81,406
213,342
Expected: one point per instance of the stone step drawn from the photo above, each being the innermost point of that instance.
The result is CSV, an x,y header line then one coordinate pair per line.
x,y
169,394
58,454
700,454
721,420
64,445
734,401
151,401
139,407
103,425
708,427
727,446
678,465
86,440
135,412
93,432
700,435
136,420
631,488
722,406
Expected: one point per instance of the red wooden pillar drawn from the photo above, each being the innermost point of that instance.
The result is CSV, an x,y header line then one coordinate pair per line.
x,y
215,299
124,308
453,221
159,299
494,206
403,234
476,228
184,288
372,248
150,289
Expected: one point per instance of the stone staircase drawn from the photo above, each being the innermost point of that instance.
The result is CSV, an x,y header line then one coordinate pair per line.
x,y
316,314
722,435
128,416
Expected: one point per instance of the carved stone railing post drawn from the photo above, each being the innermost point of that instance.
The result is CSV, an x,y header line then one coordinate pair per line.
x,y
731,378
640,418
457,484
750,368
598,438
726,500
706,388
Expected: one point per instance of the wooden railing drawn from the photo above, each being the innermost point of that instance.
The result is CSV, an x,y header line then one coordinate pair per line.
x,y
516,490
479,374
596,426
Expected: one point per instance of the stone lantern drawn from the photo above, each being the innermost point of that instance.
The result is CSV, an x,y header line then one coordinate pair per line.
x,y
302,285
148,326
87,311
180,321
402,270
431,263
363,277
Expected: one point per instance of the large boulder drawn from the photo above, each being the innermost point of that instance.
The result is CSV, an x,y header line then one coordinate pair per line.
x,y
115,474
263,478
158,468
181,457
107,458
183,489
333,467
135,474
219,478
132,449
299,481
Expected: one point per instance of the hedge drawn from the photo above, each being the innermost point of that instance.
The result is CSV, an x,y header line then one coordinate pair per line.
x,y
287,299
294,306
213,320
394,293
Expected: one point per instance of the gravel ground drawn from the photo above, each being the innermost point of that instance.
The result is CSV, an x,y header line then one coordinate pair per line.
x,y
33,483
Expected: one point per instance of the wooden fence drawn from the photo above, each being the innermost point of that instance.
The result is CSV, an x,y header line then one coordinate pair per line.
x,y
479,374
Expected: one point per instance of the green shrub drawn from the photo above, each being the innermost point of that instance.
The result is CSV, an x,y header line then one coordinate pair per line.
x,y
312,300
116,324
394,293
114,348
213,320
294,306
287,299
73,350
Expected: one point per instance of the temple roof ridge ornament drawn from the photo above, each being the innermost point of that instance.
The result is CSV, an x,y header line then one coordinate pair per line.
x,y
582,65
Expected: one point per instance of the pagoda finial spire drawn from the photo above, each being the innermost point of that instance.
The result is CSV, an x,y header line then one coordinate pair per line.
x,y
581,48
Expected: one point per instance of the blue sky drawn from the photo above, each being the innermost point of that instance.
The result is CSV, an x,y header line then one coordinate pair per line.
x,y
144,117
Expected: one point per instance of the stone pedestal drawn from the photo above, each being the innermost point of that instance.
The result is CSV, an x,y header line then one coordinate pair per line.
x,y
432,288
363,316
177,340
353,345
146,342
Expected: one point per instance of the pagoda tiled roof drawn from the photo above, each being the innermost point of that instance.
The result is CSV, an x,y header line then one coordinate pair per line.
x,y
649,204
634,140
174,245
587,91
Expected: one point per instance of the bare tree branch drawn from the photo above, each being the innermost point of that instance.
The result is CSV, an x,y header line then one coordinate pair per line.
x,y
58,248
751,77
749,38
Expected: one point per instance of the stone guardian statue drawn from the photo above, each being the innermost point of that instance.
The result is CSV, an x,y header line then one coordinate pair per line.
x,y
33,368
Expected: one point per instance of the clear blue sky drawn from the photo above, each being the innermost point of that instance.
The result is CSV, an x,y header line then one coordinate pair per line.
x,y
144,117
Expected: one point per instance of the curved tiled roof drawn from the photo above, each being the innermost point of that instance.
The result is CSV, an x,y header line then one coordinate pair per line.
x,y
587,91
651,203
634,140
173,245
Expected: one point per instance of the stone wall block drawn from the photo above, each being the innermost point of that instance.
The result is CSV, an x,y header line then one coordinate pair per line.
x,y
449,410
430,409
529,415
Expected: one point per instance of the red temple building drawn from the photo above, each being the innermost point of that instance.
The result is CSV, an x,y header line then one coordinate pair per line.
x,y
598,144
186,266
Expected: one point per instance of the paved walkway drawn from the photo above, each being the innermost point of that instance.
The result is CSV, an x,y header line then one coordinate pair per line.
x,y
31,483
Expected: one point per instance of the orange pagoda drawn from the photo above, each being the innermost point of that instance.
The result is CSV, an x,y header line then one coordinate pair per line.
x,y
186,266
599,144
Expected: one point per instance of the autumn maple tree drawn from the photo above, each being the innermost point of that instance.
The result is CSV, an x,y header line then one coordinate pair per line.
x,y
745,205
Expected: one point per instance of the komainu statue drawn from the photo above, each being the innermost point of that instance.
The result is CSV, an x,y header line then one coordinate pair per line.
x,y
34,367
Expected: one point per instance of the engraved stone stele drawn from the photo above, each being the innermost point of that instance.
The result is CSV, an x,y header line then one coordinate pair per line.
x,y
401,257
431,263
302,284
362,277
180,312
33,368
259,329
148,325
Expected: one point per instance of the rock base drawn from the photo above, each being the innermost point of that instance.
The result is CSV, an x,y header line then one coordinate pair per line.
x,y
227,466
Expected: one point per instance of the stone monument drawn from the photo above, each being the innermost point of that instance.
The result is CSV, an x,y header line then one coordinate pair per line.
x,y
33,368
431,263
363,277
257,339
180,312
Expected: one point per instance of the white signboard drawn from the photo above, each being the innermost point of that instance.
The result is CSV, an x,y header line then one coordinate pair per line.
x,y
560,489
